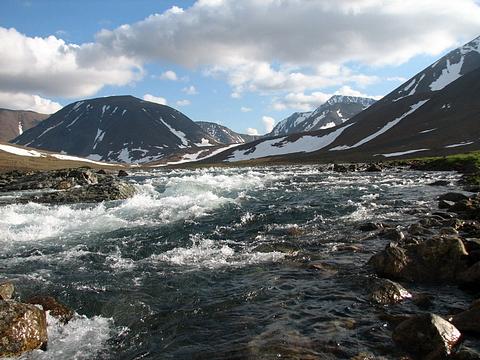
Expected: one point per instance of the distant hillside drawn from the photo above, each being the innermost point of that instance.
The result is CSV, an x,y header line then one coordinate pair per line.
x,y
436,112
224,135
117,129
15,122
334,112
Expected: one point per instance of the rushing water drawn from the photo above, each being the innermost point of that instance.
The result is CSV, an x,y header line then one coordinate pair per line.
x,y
214,263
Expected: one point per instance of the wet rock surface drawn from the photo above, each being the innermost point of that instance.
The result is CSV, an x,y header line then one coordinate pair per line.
x,y
388,292
23,327
56,308
67,186
428,336
6,290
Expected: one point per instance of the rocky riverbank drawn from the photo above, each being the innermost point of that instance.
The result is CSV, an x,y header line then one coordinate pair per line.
x,y
81,185
23,325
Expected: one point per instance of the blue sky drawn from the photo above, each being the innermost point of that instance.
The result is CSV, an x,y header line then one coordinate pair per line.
x,y
245,64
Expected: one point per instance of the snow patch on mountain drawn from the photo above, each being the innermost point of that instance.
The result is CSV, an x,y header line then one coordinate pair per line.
x,y
384,129
282,146
448,75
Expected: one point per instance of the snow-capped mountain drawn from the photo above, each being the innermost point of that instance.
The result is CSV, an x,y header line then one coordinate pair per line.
x,y
116,129
15,122
224,135
435,112
334,112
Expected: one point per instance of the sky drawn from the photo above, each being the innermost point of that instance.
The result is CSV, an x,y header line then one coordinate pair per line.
x,y
243,64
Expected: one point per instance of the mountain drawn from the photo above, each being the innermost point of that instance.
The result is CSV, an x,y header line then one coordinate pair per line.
x,y
334,112
435,112
224,135
15,122
117,129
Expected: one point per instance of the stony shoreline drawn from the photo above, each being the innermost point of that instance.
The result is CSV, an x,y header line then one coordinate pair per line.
x,y
67,186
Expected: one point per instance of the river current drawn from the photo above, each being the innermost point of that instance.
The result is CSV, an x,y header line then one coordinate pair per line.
x,y
217,263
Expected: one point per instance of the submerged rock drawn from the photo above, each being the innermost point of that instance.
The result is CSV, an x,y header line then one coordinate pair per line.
x,y
56,308
122,173
427,335
23,327
388,292
6,291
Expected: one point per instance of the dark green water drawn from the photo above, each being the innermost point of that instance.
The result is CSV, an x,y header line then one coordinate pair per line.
x,y
214,263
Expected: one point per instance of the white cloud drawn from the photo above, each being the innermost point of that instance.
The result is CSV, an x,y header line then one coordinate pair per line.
x,y
235,95
252,131
308,41
20,101
50,67
169,75
269,123
183,102
190,90
245,109
301,101
308,102
156,99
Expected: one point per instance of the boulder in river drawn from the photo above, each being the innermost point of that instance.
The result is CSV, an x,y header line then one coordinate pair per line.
x,y
427,335
437,259
468,320
23,327
388,292
56,308
6,290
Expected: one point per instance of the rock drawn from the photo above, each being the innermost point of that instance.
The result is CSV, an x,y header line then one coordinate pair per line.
x,y
438,259
370,226
393,234
340,168
326,270
101,172
445,204
373,168
443,215
6,290
423,301
427,335
388,292
440,183
23,328
448,231
65,184
56,308
283,247
350,248
466,354
122,173
452,196
106,190
471,276
390,262
468,320
417,229
432,221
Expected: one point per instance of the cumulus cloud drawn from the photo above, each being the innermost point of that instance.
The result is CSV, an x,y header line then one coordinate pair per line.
x,y
50,67
265,46
156,99
184,102
268,122
245,109
252,131
241,40
190,90
20,101
169,75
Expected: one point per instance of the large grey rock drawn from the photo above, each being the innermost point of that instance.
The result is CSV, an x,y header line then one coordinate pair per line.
x,y
23,327
388,292
428,336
